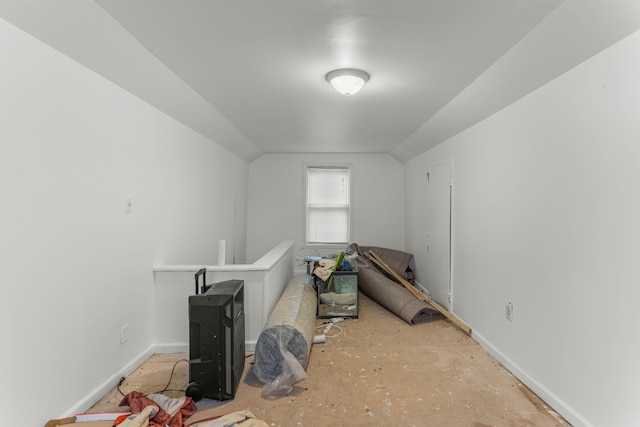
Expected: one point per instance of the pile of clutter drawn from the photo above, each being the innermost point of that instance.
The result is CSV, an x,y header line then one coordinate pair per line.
x,y
158,410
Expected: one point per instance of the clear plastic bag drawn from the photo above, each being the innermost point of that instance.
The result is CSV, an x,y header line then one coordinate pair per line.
x,y
292,372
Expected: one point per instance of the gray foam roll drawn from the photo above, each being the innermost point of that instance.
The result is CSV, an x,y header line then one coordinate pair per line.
x,y
291,325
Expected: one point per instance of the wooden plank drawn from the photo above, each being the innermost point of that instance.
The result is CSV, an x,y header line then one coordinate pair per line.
x,y
377,260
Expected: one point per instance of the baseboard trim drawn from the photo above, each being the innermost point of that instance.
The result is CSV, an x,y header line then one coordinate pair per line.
x,y
169,348
97,393
421,288
106,386
556,405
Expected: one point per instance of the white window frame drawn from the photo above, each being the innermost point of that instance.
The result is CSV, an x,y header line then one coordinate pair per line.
x,y
349,207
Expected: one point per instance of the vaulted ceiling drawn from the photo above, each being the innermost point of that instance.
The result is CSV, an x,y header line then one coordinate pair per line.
x,y
250,74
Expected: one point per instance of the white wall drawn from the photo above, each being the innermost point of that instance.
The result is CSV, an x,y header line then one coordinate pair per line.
x,y
546,214
74,266
276,206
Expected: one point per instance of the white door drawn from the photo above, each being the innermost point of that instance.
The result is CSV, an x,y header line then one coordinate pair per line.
x,y
438,219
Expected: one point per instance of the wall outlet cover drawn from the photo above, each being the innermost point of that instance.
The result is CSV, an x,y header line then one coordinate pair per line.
x,y
508,308
124,334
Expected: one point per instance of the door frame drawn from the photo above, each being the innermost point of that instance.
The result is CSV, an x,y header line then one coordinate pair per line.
x,y
449,162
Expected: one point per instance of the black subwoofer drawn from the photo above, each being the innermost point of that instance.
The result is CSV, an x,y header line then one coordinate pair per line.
x,y
216,339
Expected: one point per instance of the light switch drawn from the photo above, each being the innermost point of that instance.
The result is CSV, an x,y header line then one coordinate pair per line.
x,y
128,205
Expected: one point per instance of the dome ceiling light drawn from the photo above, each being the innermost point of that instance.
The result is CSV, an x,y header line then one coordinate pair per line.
x,y
347,81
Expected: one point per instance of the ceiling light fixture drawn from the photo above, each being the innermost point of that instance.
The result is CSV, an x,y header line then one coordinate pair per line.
x,y
347,81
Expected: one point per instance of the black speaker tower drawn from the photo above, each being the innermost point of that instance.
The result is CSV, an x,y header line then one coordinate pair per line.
x,y
216,339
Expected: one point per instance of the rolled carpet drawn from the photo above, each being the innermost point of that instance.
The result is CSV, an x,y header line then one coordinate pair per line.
x,y
389,294
290,326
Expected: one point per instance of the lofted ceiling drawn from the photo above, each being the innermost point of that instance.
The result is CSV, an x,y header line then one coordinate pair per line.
x,y
262,64
250,74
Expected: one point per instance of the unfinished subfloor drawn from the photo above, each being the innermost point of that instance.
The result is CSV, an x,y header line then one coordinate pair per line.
x,y
377,370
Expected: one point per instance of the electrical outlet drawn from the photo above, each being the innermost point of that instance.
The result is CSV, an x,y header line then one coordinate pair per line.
x,y
124,334
508,311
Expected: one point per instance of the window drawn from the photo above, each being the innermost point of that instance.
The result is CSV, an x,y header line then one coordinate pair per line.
x,y
328,204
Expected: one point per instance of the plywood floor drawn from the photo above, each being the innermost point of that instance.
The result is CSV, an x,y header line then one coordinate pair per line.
x,y
378,371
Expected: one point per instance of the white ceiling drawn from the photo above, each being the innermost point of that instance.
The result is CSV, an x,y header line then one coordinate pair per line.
x,y
250,74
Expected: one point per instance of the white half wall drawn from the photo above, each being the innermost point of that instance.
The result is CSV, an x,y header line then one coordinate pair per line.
x,y
75,267
546,215
264,282
276,205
